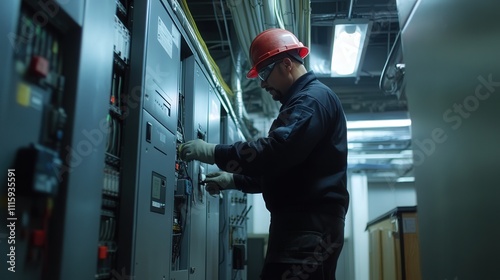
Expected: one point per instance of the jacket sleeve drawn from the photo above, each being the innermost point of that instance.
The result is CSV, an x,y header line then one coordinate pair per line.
x,y
247,184
296,131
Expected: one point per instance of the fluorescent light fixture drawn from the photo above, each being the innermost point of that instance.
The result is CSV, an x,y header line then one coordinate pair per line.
x,y
349,44
405,179
378,124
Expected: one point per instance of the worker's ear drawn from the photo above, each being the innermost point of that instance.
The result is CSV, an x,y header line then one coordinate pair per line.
x,y
287,62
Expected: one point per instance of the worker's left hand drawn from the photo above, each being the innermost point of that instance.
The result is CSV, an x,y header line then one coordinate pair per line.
x,y
197,150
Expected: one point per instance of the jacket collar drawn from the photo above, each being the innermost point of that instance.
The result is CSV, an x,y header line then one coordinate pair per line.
x,y
300,84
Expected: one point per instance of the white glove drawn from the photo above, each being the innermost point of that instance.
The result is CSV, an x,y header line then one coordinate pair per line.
x,y
197,150
219,181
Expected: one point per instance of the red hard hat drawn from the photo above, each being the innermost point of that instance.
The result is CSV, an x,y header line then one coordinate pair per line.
x,y
272,42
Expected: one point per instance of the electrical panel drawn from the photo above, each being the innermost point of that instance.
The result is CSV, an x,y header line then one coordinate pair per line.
x,y
99,96
196,214
195,89
107,246
53,153
234,210
162,66
149,143
154,217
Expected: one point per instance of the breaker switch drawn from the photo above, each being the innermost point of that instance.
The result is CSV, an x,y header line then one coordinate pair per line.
x,y
39,66
102,252
149,131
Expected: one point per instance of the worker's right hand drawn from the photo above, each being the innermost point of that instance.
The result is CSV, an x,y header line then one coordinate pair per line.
x,y
218,181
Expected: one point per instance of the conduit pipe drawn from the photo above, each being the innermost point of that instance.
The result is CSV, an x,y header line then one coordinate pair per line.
x,y
350,10
247,20
269,12
236,75
285,13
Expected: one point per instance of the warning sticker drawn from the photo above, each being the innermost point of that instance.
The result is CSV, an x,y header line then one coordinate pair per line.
x,y
164,37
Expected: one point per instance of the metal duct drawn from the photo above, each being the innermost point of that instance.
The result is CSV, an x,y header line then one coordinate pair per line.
x,y
236,87
247,19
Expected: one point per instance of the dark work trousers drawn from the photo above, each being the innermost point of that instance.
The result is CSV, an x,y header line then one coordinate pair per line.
x,y
303,246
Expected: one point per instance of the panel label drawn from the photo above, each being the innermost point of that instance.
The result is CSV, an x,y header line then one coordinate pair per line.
x,y
164,37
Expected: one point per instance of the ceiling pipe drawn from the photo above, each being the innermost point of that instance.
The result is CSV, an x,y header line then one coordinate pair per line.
x,y
350,10
227,34
247,20
269,12
303,21
236,75
255,17
285,14
217,22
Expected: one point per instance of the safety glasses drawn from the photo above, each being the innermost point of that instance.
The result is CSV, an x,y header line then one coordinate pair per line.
x,y
266,71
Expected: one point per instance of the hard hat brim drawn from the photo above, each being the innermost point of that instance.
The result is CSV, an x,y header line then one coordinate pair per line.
x,y
253,73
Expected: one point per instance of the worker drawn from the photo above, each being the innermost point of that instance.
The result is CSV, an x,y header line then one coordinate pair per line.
x,y
300,167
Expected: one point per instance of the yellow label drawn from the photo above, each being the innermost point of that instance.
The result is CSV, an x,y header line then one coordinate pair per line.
x,y
23,94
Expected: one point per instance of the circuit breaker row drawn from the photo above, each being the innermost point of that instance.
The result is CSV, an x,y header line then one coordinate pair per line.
x,y
96,154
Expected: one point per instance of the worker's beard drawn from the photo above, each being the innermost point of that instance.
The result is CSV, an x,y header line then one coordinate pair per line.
x,y
276,94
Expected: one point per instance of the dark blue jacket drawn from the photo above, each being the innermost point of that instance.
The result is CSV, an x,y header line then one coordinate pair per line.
x,y
302,162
